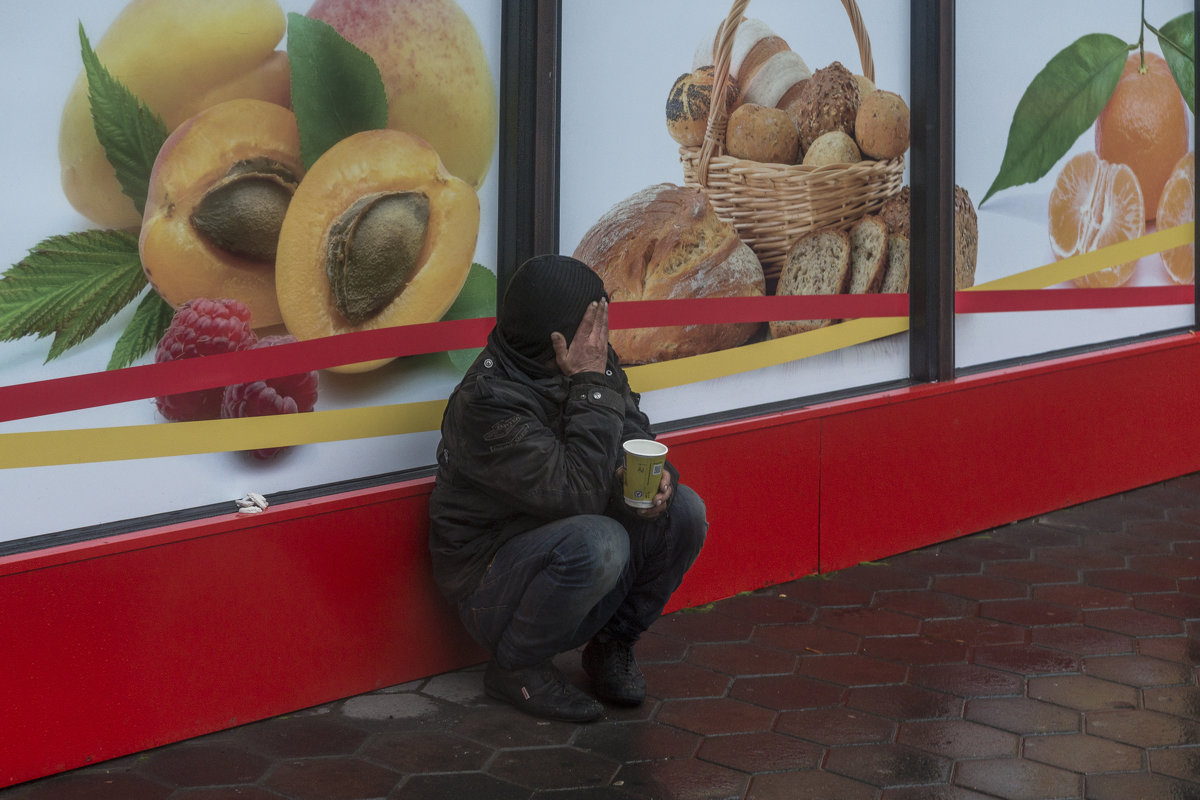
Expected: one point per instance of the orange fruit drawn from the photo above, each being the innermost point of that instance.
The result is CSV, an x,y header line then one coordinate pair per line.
x,y
1144,124
1175,207
1095,204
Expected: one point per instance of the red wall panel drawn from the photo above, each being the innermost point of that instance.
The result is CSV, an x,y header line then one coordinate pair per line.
x,y
760,488
931,465
155,643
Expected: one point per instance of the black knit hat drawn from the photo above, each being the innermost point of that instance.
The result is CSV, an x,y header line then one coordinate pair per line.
x,y
547,293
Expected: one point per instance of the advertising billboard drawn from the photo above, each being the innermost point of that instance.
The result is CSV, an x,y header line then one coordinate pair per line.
x,y
637,82
212,208
1074,136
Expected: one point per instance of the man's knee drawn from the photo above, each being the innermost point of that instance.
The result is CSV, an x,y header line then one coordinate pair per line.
x,y
689,521
596,551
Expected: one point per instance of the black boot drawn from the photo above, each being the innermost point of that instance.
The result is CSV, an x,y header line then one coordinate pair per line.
x,y
614,672
541,690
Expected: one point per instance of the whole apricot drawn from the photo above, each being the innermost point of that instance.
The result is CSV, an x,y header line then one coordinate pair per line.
x,y
219,190
435,72
378,234
178,57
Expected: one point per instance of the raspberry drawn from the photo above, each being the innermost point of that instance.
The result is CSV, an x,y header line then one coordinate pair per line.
x,y
202,327
290,394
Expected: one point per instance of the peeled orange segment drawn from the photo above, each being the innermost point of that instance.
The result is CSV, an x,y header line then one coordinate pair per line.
x,y
1095,204
1176,207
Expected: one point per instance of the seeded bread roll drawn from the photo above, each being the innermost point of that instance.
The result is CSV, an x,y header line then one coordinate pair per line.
x,y
819,263
665,243
689,102
828,101
868,254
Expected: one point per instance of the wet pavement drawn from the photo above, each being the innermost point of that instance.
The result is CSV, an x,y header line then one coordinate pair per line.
x,y
1057,657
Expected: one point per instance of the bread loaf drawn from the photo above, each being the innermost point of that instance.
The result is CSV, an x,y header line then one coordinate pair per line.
x,y
966,239
895,277
665,243
761,62
868,254
753,43
819,263
895,212
767,84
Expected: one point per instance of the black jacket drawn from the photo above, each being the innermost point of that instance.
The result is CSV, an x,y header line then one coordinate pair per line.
x,y
518,451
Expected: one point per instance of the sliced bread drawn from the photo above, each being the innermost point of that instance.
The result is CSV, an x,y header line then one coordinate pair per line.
x,y
868,254
895,277
819,263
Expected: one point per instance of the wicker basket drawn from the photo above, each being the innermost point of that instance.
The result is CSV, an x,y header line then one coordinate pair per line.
x,y
772,205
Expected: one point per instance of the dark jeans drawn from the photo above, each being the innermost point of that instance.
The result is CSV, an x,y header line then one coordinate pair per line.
x,y
553,588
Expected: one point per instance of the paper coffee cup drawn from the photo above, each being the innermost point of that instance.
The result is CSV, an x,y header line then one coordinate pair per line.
x,y
644,459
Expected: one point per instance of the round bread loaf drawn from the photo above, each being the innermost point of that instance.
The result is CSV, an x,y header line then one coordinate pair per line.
x,y
762,133
881,127
832,147
828,101
666,243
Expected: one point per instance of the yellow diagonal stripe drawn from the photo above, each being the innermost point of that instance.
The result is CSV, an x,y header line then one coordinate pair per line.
x,y
1087,263
48,448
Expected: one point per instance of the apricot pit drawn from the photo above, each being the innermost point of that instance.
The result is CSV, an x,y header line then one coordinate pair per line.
x,y
218,194
378,234
242,213
373,251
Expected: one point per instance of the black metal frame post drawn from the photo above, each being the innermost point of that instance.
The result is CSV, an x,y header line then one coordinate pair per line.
x,y
530,89
931,290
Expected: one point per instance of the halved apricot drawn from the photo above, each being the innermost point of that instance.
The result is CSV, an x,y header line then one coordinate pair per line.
x,y
378,234
219,190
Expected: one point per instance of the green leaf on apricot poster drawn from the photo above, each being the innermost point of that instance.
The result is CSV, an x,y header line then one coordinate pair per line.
x,y
476,299
336,88
129,131
1177,41
1061,102
68,286
150,321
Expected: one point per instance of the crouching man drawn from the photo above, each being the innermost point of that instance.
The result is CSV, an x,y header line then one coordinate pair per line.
x,y
529,534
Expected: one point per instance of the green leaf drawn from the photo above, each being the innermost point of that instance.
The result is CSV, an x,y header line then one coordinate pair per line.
x,y
336,88
477,299
1177,40
1061,102
130,133
68,286
149,323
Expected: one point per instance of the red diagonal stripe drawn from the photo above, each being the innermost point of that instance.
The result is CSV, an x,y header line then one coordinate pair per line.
x,y
58,395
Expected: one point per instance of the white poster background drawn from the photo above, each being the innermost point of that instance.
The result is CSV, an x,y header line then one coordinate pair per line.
x,y
40,59
1000,46
619,61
